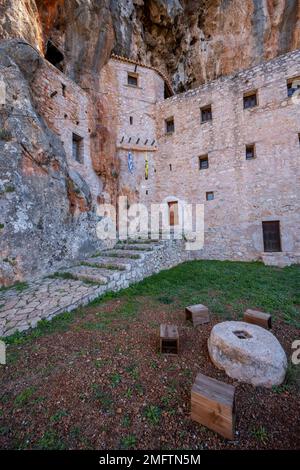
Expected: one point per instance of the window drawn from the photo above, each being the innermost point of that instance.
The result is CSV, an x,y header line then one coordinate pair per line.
x,y
170,126
210,196
173,213
132,79
293,84
271,234
250,100
63,89
54,56
250,152
170,166
131,120
77,148
203,162
299,138
206,114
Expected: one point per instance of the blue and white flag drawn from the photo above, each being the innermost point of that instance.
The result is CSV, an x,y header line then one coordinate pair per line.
x,y
130,162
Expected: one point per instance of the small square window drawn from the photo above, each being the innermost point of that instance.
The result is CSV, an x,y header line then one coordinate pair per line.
x,y
210,196
203,162
250,100
250,152
293,84
170,126
206,114
132,79
77,148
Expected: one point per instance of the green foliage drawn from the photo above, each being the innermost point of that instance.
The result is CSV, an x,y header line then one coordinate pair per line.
x,y
58,416
128,442
126,422
57,324
24,397
61,275
115,379
19,286
164,299
50,441
153,414
104,398
260,434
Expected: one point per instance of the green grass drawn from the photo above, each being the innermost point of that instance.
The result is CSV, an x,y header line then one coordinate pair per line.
x,y
24,397
153,414
226,287
62,275
58,416
50,441
260,434
19,286
44,327
103,397
128,442
126,422
115,379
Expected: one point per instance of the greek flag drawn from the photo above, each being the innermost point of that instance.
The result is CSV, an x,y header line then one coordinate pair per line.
x,y
130,162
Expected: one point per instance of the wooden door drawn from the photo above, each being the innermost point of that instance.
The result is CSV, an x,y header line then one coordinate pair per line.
x,y
271,232
173,213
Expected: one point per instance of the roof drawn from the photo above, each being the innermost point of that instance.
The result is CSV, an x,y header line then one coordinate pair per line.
x,y
140,64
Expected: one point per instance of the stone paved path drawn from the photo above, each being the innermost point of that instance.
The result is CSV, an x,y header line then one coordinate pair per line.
x,y
80,283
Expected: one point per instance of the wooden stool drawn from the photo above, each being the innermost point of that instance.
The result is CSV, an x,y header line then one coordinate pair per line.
x,y
198,314
169,339
213,405
258,318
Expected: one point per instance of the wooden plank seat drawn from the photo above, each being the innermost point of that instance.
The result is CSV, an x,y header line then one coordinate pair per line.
x,y
169,339
258,318
213,405
197,314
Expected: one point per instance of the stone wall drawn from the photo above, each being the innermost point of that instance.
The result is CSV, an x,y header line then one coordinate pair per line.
x,y
246,192
66,109
48,297
134,108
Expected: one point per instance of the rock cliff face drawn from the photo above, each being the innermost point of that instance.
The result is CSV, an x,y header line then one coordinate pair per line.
x,y
46,211
191,41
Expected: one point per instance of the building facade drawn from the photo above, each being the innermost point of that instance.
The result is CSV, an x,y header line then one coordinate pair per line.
x,y
232,145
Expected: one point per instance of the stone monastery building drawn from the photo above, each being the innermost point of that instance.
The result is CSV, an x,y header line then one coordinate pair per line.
x,y
232,145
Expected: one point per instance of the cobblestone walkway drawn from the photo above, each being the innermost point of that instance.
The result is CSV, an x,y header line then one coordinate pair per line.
x,y
21,307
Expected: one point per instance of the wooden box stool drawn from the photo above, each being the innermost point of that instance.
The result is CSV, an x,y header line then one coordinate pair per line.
x,y
258,318
213,405
169,339
198,314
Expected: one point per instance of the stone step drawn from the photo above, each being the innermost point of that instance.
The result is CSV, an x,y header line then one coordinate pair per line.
x,y
87,273
135,247
121,264
132,241
116,253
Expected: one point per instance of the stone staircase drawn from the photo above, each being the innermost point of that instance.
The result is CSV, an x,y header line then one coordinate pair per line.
x,y
81,282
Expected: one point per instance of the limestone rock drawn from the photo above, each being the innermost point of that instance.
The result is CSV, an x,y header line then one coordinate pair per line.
x,y
247,353
193,41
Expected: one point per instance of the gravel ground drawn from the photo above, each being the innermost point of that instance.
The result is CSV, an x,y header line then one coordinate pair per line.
x,y
102,384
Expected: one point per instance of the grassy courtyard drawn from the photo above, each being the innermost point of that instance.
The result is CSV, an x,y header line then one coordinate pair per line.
x,y
94,379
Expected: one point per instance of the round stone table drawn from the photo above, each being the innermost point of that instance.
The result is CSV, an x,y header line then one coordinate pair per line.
x,y
248,353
